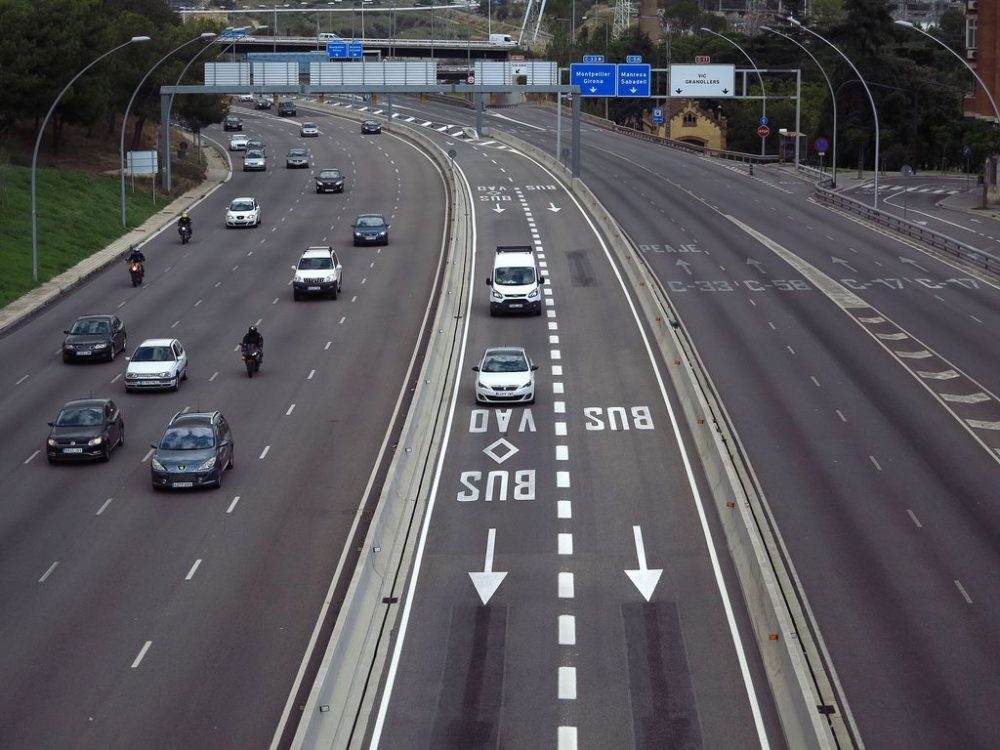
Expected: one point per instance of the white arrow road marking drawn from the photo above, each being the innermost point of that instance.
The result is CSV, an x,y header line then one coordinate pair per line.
x,y
685,265
554,208
913,262
844,263
498,209
756,264
645,579
487,582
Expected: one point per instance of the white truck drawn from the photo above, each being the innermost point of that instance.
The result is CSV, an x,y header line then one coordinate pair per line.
x,y
502,40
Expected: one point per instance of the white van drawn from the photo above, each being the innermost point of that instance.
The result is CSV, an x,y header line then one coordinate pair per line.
x,y
502,39
515,286
326,36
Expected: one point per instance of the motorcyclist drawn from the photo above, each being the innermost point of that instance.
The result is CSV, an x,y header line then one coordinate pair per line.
x,y
184,222
135,255
253,338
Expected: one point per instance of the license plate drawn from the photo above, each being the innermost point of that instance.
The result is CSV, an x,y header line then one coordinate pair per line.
x,y
72,450
183,484
516,304
84,354
312,288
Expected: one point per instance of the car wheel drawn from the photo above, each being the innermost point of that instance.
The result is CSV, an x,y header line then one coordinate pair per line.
x,y
335,291
231,463
218,482
66,359
121,436
112,353
177,384
184,375
296,296
106,454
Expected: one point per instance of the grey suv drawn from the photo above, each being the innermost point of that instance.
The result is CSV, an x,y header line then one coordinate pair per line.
x,y
195,451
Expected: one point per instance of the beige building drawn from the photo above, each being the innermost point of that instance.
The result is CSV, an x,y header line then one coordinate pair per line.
x,y
690,123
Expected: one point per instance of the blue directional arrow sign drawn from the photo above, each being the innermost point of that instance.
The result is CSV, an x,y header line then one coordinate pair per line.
x,y
336,49
633,80
355,49
594,79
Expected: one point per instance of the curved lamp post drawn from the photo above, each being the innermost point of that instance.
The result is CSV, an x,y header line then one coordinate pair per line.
x,y
871,99
128,108
170,104
763,94
38,143
907,24
833,96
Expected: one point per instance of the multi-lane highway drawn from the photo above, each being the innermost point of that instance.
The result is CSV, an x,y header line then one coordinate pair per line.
x,y
141,619
862,376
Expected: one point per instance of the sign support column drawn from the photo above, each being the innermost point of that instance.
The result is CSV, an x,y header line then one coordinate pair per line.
x,y
575,156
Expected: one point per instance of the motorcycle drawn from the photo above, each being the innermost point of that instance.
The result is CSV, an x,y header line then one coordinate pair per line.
x,y
184,230
251,355
137,271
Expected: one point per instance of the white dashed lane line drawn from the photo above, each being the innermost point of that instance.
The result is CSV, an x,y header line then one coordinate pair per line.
x,y
48,572
913,517
103,507
232,505
22,379
290,410
963,592
264,452
194,568
29,458
142,653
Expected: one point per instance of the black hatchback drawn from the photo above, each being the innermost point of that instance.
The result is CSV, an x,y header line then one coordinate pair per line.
x,y
94,337
195,451
232,123
330,180
370,229
85,430
369,127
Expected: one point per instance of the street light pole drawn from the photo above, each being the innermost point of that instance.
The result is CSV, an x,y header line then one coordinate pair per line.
x,y
763,94
170,104
38,143
833,97
996,112
871,99
121,145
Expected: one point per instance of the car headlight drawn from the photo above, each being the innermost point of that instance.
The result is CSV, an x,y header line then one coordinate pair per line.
x,y
163,374
101,345
526,385
52,442
327,279
382,234
533,294
130,376
496,295
95,441
298,279
157,465
210,463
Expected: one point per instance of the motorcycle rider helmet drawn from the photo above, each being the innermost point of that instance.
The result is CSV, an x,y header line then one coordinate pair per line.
x,y
184,215
252,329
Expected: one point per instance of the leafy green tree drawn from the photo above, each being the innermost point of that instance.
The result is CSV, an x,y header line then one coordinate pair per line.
x,y
826,12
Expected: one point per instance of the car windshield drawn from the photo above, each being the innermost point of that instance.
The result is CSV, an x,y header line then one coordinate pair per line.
x,y
370,221
78,416
308,125
330,174
90,327
515,276
504,362
153,354
297,152
254,155
188,438
314,264
241,206
369,123
238,139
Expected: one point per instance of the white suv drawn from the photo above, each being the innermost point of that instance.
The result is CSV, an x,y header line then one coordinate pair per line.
x,y
318,272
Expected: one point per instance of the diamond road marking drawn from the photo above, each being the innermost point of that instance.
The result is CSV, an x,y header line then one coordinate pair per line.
x,y
509,449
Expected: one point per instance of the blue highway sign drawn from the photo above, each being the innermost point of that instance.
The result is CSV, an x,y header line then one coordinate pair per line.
x,y
593,58
633,59
657,115
633,80
594,79
341,49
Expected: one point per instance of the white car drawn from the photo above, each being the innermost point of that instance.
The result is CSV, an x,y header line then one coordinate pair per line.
x,y
506,376
246,97
238,142
156,364
309,130
319,272
243,212
254,160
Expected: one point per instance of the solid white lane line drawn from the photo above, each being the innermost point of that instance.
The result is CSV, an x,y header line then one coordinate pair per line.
x,y
48,572
566,586
232,505
567,630
567,683
194,567
116,378
22,380
146,457
28,459
263,453
562,453
142,653
290,410
566,739
103,507
913,517
963,592
310,375
560,429
562,479
564,509
876,463
559,407
565,543
557,370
